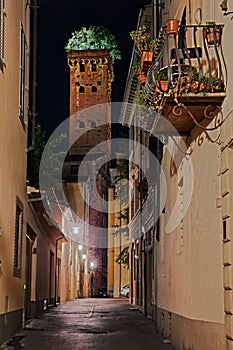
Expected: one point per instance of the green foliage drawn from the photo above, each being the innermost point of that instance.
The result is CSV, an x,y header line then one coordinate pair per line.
x,y
135,67
50,171
92,38
162,75
123,215
143,98
123,171
123,257
142,39
51,167
34,157
210,23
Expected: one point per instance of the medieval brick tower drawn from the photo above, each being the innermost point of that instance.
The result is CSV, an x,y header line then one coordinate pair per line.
x,y
91,74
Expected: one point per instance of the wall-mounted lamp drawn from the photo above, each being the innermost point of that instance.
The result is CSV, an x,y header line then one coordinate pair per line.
x,y
224,7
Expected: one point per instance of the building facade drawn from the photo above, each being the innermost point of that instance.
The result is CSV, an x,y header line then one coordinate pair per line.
x,y
186,252
31,250
15,27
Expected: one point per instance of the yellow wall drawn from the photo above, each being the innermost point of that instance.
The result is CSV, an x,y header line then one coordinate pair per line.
x,y
12,158
116,279
191,275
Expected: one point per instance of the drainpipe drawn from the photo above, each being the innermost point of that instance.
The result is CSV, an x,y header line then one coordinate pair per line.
x,y
34,83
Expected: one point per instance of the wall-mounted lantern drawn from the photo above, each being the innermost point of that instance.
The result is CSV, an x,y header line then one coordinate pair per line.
x,y
224,7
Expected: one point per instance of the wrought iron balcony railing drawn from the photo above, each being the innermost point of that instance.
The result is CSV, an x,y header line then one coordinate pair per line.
x,y
187,79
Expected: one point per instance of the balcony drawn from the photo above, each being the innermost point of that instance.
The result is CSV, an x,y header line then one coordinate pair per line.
x,y
187,79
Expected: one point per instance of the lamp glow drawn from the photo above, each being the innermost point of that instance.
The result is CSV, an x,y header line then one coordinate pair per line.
x,y
76,229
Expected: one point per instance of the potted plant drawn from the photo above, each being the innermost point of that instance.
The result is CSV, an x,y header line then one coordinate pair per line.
x,y
217,85
94,38
143,187
142,98
213,30
144,45
172,26
139,73
162,80
142,40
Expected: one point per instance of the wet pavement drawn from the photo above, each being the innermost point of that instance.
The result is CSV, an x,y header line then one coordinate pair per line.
x,y
96,324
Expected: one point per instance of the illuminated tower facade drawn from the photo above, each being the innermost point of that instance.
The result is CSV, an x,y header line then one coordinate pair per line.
x,y
91,74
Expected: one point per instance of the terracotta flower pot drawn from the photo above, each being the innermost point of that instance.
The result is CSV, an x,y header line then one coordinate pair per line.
x,y
141,76
172,26
146,59
209,35
163,85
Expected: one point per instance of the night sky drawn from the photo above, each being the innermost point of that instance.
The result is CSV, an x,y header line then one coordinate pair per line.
x,y
56,21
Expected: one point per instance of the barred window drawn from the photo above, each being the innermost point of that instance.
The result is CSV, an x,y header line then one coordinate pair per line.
x,y
18,238
23,75
1,33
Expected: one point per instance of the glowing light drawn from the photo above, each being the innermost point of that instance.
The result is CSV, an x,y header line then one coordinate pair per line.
x,y
76,229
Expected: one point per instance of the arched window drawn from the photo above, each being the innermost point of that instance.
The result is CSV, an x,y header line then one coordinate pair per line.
x,y
93,66
93,89
82,67
81,89
81,125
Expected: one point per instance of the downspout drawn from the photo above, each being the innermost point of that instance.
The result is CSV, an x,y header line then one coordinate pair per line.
x,y
157,10
34,83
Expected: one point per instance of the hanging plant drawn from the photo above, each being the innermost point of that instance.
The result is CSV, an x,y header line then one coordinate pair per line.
x,y
142,39
94,38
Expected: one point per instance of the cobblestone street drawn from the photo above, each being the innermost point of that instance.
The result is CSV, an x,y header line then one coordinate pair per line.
x,y
89,324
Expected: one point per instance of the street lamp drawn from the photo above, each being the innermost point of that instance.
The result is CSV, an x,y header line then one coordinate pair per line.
x,y
75,229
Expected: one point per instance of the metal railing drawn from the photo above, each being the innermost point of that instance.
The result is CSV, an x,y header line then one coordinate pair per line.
x,y
191,61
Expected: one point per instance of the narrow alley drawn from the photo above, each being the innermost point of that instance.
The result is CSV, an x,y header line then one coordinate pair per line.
x,y
89,324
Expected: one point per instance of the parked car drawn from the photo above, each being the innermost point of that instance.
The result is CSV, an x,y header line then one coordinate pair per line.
x,y
101,293
125,291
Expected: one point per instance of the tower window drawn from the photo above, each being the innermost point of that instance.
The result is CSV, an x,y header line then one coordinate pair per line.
x,y
81,125
99,83
93,89
93,66
82,67
81,89
73,169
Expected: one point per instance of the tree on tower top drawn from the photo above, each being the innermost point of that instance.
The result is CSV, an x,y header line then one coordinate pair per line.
x,y
94,38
